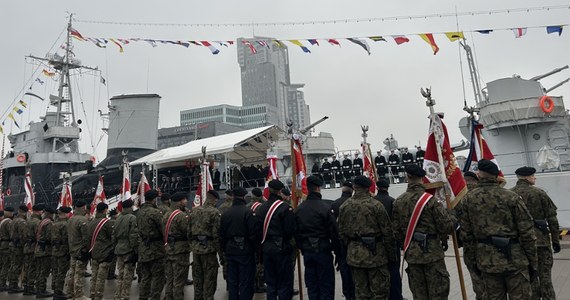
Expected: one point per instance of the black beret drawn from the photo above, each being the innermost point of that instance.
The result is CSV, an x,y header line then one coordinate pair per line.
x,y
178,196
79,203
229,192
113,212
65,209
102,206
415,170
488,167
128,203
165,197
257,192
38,207
525,171
276,184
50,210
286,192
150,195
314,180
239,191
362,181
23,208
471,174
214,193
9,208
347,184
382,183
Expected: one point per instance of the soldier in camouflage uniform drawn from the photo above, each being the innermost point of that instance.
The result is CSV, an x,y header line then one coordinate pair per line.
x,y
151,248
203,234
8,215
30,263
498,237
366,230
100,232
113,215
222,208
543,211
60,253
164,203
17,250
78,239
427,274
43,252
175,228
126,241
257,197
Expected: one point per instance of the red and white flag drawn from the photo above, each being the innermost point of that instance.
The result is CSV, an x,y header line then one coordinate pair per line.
x,y
271,175
2,200
99,195
519,32
300,168
440,164
479,150
369,168
142,188
66,198
205,180
30,197
125,187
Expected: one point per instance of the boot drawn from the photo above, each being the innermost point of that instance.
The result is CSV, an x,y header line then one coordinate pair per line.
x,y
15,290
43,294
28,291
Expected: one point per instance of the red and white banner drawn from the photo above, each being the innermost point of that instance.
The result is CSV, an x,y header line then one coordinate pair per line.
x,y
30,197
2,200
300,168
368,168
440,164
125,187
204,181
99,195
480,150
66,198
142,188
272,165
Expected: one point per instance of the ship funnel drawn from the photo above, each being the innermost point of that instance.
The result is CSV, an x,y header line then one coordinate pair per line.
x,y
557,85
539,77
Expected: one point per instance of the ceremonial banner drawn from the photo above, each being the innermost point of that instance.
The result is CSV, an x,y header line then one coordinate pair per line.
x,y
479,150
99,195
271,175
369,170
125,187
142,188
66,198
30,197
300,168
205,180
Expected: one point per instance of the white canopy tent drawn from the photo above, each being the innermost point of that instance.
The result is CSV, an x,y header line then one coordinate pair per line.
x,y
238,147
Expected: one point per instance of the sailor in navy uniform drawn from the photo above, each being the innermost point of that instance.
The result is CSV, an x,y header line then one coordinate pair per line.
x,y
357,165
347,167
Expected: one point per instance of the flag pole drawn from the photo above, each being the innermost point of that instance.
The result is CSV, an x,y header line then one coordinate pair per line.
x,y
431,103
295,200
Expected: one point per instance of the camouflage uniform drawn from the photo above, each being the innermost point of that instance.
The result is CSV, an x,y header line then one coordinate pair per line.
x,y
101,253
491,211
4,252
177,253
363,217
151,252
17,250
126,241
43,253
203,234
427,274
78,250
60,254
541,208
30,263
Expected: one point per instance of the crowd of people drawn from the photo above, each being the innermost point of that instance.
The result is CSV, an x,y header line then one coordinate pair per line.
x,y
508,236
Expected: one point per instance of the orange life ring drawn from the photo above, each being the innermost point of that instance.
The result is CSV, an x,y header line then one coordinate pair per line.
x,y
546,104
8,192
21,158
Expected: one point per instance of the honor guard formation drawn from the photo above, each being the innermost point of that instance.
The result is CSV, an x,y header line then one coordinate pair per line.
x,y
508,239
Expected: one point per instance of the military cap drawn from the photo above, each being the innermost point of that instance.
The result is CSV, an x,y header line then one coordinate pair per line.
x,y
229,192
151,195
165,197
314,180
102,206
79,203
9,208
214,193
178,196
113,212
382,183
348,184
257,192
415,170
239,191
525,171
38,207
128,203
488,167
65,209
362,181
23,208
276,184
470,174
50,210
286,192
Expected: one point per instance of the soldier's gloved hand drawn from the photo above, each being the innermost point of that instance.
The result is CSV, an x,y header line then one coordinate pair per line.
x,y
533,273
556,247
444,245
336,263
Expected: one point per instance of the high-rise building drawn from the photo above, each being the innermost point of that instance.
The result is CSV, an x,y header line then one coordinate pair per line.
x,y
246,117
297,109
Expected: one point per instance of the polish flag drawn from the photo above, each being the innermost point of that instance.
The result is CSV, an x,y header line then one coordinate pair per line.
x,y
272,164
30,198
99,195
369,167
126,187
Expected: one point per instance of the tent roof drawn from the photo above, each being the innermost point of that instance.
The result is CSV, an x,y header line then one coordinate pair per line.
x,y
243,146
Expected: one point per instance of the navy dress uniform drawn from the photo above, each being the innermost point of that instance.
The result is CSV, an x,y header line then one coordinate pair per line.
x,y
317,236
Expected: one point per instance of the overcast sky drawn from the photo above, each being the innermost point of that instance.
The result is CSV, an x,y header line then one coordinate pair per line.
x,y
346,84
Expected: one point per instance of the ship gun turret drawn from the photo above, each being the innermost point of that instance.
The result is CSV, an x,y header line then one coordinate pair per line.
x,y
539,77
